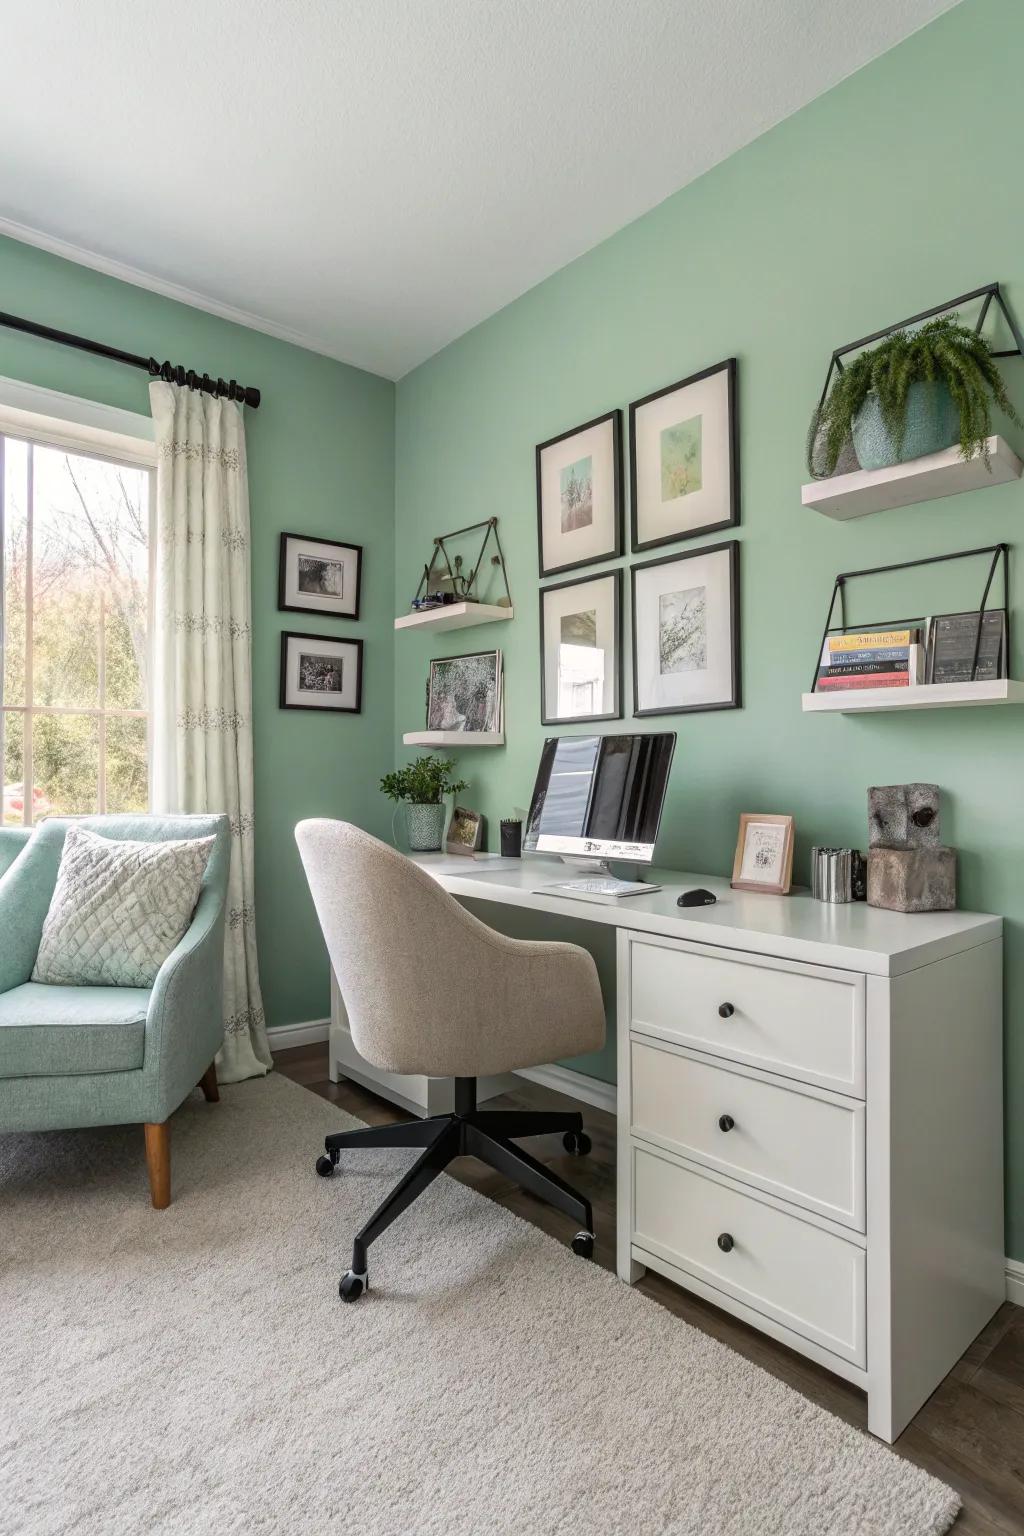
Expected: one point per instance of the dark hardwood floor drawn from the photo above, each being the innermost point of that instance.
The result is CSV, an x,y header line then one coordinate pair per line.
x,y
970,1433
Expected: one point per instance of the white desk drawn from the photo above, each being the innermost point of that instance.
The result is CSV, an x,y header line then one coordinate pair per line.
x,y
810,1114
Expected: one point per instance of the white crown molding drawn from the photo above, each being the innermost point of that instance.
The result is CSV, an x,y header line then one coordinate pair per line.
x,y
168,290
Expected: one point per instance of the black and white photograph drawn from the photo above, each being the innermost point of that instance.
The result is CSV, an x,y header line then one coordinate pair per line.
x,y
579,495
684,458
464,693
686,631
580,649
320,673
319,576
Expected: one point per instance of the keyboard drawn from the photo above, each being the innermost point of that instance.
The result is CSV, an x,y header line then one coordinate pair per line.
x,y
602,885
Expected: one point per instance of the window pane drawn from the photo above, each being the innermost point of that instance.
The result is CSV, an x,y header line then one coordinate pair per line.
x,y
127,770
15,551
13,771
91,567
65,760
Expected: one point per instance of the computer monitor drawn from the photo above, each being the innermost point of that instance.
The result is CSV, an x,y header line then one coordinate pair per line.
x,y
600,797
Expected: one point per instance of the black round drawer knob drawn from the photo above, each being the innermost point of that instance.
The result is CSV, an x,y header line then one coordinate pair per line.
x,y
726,1122
726,1010
725,1242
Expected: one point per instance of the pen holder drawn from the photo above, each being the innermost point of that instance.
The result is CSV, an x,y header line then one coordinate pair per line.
x,y
838,874
511,839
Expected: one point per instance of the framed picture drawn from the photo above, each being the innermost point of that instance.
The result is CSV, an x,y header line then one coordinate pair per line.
x,y
686,631
764,854
464,693
320,673
684,460
579,495
953,639
465,831
319,576
581,649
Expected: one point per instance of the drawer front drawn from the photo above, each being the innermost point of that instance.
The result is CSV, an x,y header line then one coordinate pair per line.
x,y
781,1265
789,1141
802,1022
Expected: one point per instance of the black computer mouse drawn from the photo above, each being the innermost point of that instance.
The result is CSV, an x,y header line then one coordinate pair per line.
x,y
697,898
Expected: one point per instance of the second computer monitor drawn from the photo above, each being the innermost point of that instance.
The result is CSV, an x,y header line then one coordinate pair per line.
x,y
600,796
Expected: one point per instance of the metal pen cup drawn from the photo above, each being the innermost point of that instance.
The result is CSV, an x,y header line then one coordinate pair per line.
x,y
838,874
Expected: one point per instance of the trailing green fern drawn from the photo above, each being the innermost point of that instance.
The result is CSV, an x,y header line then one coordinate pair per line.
x,y
941,351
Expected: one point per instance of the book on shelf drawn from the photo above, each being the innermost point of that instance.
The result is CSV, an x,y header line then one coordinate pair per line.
x,y
863,680
953,639
888,667
874,639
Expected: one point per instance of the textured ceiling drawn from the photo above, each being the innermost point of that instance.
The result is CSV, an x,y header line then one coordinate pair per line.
x,y
374,177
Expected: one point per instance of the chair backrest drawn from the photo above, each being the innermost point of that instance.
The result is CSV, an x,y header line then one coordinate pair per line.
x,y
415,968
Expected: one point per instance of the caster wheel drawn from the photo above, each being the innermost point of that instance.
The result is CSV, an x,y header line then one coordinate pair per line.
x,y
577,1143
583,1244
351,1286
325,1165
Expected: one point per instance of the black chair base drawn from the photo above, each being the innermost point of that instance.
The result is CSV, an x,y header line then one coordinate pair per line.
x,y
471,1132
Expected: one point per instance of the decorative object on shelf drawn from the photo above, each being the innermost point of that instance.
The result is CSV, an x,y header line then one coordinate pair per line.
x,y
686,631
579,495
928,383
835,636
465,831
874,658
581,649
464,693
684,458
965,647
511,839
764,854
908,869
421,787
319,576
838,874
447,578
320,673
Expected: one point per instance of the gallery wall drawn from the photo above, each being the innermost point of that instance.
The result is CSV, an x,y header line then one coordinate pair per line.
x,y
868,206
320,456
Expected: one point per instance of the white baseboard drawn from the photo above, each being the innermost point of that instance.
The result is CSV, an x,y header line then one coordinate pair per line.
x,y
284,1037
1015,1281
577,1085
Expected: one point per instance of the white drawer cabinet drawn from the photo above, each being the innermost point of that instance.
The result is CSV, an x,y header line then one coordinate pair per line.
x,y
839,1130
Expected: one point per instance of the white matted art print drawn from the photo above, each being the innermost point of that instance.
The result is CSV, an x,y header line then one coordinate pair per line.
x,y
319,576
684,471
579,495
580,644
764,854
320,673
686,631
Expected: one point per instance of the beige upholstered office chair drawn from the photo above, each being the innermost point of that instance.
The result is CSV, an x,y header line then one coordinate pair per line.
x,y
430,989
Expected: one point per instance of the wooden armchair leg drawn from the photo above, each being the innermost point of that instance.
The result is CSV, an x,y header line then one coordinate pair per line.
x,y
208,1083
158,1161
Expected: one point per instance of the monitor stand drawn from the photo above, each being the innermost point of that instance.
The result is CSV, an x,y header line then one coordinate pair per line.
x,y
587,863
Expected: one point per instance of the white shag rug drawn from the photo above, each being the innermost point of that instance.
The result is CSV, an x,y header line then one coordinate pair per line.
x,y
193,1370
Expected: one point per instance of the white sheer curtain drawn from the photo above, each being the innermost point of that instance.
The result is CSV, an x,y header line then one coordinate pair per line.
x,y
202,676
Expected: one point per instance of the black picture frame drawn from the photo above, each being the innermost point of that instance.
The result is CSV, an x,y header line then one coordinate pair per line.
x,y
735,701
615,553
332,709
732,521
614,576
314,538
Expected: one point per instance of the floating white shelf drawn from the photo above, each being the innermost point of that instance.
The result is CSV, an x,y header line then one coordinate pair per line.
x,y
924,479
454,616
454,738
849,701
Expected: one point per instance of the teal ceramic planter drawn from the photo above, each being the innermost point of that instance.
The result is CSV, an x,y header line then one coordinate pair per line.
x,y
425,826
933,423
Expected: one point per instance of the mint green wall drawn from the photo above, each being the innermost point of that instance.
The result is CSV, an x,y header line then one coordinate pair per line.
x,y
321,454
868,205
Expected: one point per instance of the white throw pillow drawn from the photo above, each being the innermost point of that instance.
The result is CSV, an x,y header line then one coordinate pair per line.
x,y
118,909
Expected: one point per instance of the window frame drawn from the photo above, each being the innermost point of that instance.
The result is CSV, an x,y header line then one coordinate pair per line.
x,y
77,427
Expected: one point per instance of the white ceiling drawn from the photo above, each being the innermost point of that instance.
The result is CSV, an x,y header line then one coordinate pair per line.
x,y
373,177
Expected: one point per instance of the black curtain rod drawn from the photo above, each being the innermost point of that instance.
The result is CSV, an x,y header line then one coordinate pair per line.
x,y
171,373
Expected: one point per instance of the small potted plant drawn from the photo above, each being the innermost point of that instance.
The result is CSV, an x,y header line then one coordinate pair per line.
x,y
917,392
423,785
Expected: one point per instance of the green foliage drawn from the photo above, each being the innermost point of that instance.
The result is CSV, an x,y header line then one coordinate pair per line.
x,y
940,351
423,782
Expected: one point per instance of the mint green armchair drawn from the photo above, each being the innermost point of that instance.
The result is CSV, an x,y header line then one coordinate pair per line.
x,y
82,1056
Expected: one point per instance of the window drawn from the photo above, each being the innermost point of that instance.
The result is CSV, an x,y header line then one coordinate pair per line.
x,y
74,632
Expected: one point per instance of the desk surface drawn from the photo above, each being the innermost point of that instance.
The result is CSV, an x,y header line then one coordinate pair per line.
x,y
851,936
